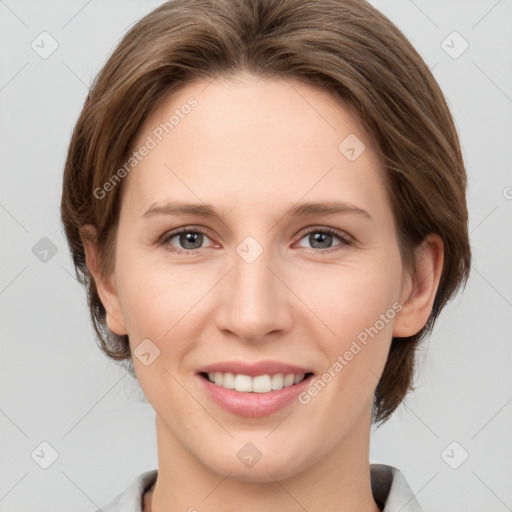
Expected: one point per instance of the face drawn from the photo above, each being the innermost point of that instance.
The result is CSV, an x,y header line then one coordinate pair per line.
x,y
263,285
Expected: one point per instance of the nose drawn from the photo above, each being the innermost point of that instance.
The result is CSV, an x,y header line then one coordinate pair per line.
x,y
255,302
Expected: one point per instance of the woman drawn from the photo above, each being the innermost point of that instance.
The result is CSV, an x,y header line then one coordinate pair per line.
x,y
266,203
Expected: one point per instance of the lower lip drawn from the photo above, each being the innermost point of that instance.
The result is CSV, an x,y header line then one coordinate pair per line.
x,y
253,405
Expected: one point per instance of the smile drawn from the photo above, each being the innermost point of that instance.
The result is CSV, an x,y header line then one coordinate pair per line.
x,y
258,384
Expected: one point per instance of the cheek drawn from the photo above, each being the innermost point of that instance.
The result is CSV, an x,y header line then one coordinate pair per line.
x,y
355,298
359,305
162,302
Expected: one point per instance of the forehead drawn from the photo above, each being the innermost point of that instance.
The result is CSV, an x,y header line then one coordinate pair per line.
x,y
253,139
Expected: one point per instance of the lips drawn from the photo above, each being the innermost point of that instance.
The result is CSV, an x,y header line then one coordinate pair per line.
x,y
253,389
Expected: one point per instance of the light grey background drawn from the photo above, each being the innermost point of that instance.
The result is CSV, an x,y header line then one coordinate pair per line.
x,y
56,386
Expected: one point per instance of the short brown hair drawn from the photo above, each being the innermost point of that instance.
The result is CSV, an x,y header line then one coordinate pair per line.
x,y
346,47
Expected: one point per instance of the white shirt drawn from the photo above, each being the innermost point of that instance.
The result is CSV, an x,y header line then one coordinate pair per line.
x,y
389,487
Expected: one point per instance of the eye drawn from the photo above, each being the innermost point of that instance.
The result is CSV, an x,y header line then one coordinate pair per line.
x,y
322,238
188,240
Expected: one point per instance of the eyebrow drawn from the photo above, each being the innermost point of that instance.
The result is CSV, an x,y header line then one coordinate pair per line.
x,y
209,211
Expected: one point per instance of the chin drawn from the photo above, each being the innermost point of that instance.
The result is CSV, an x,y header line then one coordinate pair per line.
x,y
244,462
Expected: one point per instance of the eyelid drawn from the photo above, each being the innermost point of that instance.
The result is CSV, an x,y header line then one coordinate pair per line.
x,y
184,229
326,229
345,240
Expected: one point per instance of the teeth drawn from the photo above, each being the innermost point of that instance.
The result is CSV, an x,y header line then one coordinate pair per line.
x,y
258,384
277,381
261,384
228,381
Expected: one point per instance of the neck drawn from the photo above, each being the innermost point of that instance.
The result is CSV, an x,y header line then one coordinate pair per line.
x,y
338,481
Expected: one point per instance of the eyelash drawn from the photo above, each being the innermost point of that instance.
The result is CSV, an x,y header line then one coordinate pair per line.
x,y
344,239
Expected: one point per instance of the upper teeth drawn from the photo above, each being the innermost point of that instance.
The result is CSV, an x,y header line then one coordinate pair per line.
x,y
259,384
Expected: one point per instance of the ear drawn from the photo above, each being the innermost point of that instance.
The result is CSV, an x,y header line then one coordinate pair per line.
x,y
104,284
419,290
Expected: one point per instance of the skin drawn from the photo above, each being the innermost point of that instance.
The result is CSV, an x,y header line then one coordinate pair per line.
x,y
253,148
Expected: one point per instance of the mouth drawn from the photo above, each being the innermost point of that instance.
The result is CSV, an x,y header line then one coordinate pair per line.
x,y
265,383
253,390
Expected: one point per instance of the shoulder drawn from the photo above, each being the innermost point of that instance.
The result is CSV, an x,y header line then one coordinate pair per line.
x,y
391,490
130,500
